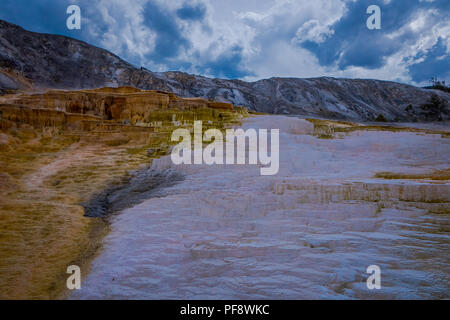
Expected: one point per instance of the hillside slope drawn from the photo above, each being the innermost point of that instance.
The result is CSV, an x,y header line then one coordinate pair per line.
x,y
31,60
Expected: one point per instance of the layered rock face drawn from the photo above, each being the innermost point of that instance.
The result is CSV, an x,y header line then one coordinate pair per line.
x,y
79,109
33,60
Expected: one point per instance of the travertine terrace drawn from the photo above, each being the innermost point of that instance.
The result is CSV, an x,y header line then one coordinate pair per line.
x,y
123,105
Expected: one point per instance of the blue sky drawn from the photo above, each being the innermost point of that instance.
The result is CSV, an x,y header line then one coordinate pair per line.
x,y
256,39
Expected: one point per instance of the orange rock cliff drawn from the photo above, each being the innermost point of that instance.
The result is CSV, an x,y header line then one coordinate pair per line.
x,y
72,109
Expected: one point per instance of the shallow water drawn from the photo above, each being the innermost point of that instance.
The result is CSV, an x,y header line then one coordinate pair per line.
x,y
226,232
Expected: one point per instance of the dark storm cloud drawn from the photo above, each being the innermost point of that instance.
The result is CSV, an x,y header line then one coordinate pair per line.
x,y
227,65
169,36
170,41
192,12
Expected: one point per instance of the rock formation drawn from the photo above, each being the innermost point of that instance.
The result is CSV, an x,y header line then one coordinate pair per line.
x,y
107,108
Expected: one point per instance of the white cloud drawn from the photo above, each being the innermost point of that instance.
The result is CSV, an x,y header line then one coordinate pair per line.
x,y
269,34
313,31
265,31
426,27
126,32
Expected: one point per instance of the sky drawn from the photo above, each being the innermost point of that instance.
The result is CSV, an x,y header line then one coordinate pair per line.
x,y
255,39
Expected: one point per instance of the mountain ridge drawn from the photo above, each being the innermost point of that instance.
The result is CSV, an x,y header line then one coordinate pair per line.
x,y
37,61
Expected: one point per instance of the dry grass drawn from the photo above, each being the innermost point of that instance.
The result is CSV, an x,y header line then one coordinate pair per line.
x,y
438,175
329,129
